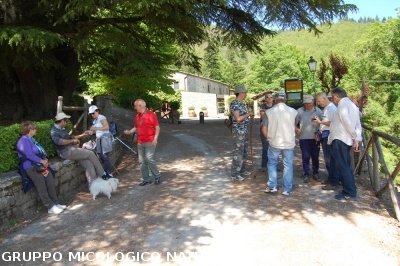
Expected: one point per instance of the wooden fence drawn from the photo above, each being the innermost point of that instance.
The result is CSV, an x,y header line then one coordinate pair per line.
x,y
377,162
83,118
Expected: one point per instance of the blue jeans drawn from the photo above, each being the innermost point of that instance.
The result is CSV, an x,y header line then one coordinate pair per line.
x,y
309,149
264,154
146,161
105,159
287,156
342,162
326,149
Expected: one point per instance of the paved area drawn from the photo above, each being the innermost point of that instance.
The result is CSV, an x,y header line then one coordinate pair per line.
x,y
198,216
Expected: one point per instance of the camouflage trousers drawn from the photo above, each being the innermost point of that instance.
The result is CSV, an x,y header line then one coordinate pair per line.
x,y
241,143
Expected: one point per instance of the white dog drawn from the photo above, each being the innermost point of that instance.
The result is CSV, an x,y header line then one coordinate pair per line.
x,y
103,186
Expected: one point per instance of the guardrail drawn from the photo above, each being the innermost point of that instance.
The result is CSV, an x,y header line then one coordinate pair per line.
x,y
84,116
373,165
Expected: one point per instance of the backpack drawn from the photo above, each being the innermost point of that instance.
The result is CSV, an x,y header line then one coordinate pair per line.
x,y
113,128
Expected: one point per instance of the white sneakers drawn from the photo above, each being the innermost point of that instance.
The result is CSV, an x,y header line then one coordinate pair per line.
x,y
55,210
270,190
238,178
62,207
274,190
246,173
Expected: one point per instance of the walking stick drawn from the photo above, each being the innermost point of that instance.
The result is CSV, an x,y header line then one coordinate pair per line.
x,y
134,152
251,145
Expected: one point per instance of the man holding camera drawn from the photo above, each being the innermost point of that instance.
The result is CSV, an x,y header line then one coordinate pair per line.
x,y
308,145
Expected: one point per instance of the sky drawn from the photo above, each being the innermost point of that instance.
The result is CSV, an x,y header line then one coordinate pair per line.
x,y
371,8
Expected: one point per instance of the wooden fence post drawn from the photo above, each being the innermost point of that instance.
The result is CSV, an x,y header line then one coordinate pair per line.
x,y
59,104
375,163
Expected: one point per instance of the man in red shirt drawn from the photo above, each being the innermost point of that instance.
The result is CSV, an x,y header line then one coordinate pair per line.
x,y
147,129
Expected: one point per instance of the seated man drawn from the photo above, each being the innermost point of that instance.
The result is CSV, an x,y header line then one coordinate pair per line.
x,y
166,109
67,148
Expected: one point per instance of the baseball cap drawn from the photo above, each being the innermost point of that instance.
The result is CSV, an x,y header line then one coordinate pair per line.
x,y
308,99
240,88
61,116
92,109
280,95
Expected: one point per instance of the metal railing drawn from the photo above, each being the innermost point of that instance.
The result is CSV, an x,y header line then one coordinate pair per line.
x,y
374,168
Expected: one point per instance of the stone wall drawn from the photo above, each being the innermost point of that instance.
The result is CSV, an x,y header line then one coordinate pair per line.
x,y
16,205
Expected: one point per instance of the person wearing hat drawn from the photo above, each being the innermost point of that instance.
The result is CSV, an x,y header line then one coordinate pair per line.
x,y
67,148
308,146
104,138
240,132
279,129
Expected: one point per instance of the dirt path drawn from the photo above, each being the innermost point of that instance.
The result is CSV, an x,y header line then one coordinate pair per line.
x,y
203,218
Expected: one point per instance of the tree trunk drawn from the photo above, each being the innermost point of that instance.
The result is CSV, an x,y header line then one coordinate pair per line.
x,y
32,92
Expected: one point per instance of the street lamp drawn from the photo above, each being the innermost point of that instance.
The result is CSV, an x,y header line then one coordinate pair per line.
x,y
312,65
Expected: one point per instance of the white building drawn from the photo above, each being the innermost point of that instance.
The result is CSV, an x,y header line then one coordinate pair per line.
x,y
200,92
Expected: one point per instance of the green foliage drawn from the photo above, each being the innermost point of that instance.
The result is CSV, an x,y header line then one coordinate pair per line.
x,y
8,140
279,62
77,100
153,100
8,154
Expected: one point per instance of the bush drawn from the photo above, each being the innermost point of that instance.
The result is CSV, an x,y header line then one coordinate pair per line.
x,y
8,140
125,99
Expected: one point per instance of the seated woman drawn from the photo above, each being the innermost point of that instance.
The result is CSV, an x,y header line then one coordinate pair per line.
x,y
103,138
30,152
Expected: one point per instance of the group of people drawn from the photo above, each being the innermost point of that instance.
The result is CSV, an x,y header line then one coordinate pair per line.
x,y
31,153
338,128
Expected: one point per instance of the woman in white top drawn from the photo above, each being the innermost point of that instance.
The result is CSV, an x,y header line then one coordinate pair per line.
x,y
103,138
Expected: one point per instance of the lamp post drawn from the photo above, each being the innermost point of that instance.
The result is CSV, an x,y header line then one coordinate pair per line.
x,y
312,65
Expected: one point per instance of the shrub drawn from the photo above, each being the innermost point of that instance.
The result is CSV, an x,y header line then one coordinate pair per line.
x,y
191,108
125,99
204,108
8,140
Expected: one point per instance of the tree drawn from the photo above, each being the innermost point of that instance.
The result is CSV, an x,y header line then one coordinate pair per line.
x,y
211,68
46,45
232,70
270,69
331,75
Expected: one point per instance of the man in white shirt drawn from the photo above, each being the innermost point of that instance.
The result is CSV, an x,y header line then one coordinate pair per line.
x,y
279,129
269,103
325,122
345,132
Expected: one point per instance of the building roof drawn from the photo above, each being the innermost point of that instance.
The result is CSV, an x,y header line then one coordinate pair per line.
x,y
193,75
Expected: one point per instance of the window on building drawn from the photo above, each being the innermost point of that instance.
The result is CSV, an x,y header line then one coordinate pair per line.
x,y
176,85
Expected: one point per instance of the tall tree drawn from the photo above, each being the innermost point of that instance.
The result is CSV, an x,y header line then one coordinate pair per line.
x,y
270,69
331,74
45,43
